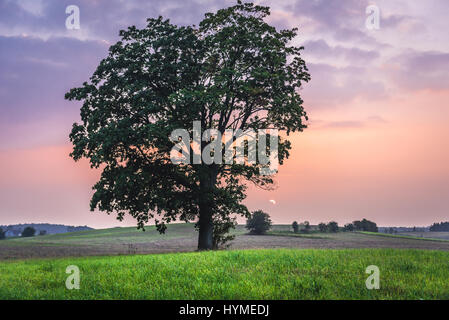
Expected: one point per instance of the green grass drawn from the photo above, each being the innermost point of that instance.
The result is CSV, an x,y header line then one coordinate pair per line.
x,y
127,235
110,236
401,236
246,274
104,236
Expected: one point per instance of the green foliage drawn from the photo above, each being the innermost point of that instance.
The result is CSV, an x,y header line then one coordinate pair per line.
x,y
234,71
348,227
365,225
322,227
248,274
332,226
222,227
28,232
2,234
295,227
259,222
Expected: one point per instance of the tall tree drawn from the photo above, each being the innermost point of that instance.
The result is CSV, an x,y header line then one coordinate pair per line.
x,y
233,71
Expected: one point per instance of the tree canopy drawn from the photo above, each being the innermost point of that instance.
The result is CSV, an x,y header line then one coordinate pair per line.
x,y
28,232
443,226
233,71
365,225
259,222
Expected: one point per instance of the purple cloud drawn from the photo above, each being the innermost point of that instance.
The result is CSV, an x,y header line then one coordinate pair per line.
x,y
332,86
415,70
99,19
35,75
320,49
348,124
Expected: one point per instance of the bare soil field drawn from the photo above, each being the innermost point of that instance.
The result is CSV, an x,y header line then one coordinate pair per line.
x,y
183,238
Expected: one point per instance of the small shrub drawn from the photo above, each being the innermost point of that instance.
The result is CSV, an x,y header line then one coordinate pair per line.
x,y
222,227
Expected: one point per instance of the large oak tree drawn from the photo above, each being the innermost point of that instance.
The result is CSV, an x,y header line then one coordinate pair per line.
x,y
233,71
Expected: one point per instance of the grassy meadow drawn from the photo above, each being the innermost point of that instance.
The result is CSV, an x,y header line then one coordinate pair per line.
x,y
428,236
125,263
128,235
234,274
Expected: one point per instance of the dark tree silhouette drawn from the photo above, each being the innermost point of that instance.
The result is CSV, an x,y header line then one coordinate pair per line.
x,y
332,226
322,227
233,71
365,225
259,222
442,226
28,232
295,226
307,227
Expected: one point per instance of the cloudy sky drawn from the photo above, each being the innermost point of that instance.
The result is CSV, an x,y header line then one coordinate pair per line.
x,y
377,142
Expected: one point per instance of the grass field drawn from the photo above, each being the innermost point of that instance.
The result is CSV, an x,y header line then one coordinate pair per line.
x,y
280,265
248,274
431,237
183,238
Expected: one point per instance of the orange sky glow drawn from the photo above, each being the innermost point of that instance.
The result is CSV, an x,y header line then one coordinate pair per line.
x,y
377,142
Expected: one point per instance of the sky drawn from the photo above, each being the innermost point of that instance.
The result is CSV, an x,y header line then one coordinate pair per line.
x,y
377,142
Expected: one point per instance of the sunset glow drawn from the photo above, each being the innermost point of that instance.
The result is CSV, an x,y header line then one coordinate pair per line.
x,y
376,145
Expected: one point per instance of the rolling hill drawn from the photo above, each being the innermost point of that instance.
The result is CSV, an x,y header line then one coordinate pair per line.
x,y
183,238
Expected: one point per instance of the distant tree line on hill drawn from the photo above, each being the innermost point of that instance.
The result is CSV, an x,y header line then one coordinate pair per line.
x,y
27,232
440,227
16,230
259,222
304,227
332,226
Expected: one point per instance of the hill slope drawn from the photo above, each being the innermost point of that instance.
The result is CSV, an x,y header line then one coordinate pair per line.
x,y
49,228
183,238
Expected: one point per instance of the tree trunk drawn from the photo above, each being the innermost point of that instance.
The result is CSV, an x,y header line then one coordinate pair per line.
x,y
206,203
206,229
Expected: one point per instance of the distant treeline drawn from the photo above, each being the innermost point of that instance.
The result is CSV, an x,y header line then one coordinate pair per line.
x,y
442,226
40,228
332,227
